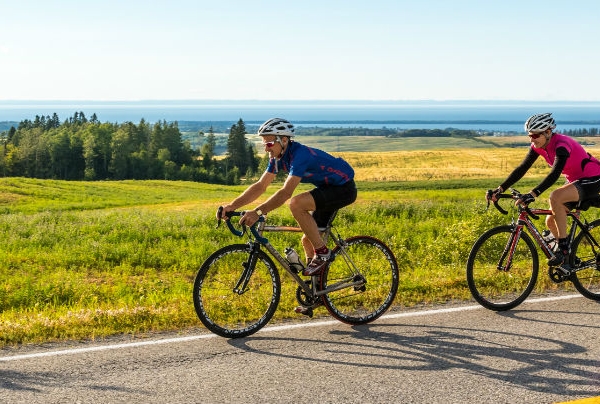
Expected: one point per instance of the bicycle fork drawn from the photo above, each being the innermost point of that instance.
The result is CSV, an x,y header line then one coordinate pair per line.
x,y
505,262
242,284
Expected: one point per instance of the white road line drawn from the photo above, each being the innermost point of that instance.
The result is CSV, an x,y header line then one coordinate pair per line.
x,y
266,329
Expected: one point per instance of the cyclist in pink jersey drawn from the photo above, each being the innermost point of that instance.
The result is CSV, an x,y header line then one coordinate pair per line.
x,y
567,157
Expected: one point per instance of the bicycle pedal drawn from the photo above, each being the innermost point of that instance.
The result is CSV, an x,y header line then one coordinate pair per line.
x,y
559,274
307,311
565,269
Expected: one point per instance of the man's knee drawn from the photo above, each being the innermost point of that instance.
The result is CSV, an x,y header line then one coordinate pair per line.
x,y
302,203
296,204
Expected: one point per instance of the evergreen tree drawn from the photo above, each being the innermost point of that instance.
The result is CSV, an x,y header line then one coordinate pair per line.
x,y
208,149
11,133
122,147
96,150
54,121
237,147
60,154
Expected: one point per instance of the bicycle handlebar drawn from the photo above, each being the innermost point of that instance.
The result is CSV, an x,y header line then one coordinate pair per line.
x,y
240,233
514,195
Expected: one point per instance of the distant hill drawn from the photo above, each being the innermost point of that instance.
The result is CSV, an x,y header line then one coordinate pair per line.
x,y
5,125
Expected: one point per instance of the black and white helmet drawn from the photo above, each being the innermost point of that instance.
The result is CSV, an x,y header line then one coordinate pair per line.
x,y
276,127
540,122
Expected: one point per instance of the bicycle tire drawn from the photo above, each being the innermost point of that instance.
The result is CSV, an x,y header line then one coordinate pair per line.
x,y
498,289
587,281
377,264
225,312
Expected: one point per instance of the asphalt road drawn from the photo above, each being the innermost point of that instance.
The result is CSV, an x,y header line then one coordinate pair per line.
x,y
545,351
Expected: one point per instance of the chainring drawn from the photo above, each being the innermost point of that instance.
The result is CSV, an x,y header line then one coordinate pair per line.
x,y
303,298
557,275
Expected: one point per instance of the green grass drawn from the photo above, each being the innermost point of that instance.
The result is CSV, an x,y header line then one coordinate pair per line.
x,y
84,260
29,195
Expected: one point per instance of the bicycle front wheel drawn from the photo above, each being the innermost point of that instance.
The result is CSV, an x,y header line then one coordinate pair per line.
x,y
587,255
371,265
501,270
230,313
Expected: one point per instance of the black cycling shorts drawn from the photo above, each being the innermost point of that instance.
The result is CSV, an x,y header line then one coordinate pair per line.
x,y
330,198
588,189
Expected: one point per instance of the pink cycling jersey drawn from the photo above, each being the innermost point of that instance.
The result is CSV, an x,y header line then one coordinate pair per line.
x,y
580,164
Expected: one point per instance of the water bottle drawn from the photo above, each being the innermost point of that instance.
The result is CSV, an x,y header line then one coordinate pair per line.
x,y
549,239
293,259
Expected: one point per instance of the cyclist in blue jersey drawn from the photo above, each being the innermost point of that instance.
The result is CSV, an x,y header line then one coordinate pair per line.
x,y
334,188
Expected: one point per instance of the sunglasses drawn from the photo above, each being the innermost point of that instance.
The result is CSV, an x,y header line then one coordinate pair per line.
x,y
535,135
269,144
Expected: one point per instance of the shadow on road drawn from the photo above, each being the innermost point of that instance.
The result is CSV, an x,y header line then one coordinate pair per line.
x,y
538,363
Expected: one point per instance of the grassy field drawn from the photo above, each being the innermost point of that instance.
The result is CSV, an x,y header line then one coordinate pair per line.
x,y
337,144
85,260
340,144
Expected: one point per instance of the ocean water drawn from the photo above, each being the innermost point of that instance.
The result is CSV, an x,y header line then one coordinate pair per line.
x,y
476,115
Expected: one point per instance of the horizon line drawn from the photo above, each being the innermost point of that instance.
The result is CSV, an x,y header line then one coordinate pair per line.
x,y
247,100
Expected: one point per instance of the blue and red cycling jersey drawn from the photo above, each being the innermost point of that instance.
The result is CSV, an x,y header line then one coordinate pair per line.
x,y
313,166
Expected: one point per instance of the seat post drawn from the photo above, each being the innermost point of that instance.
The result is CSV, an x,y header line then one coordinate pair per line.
x,y
333,215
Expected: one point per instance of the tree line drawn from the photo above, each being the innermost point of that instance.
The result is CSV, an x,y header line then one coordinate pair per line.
x,y
87,149
448,132
581,132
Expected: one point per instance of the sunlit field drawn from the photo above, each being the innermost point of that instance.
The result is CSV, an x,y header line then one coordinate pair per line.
x,y
333,144
84,260
429,165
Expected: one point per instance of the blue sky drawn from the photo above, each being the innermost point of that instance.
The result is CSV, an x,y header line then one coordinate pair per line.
x,y
302,50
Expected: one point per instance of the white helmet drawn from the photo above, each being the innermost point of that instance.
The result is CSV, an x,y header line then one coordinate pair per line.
x,y
540,122
276,127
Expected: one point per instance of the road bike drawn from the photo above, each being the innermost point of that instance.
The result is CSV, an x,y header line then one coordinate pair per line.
x,y
503,264
237,289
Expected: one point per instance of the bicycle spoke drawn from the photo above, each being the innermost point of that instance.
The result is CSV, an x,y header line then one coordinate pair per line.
x,y
587,279
498,287
220,307
370,292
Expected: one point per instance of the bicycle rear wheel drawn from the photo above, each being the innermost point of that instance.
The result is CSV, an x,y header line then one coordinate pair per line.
x,y
587,280
491,283
228,313
370,263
